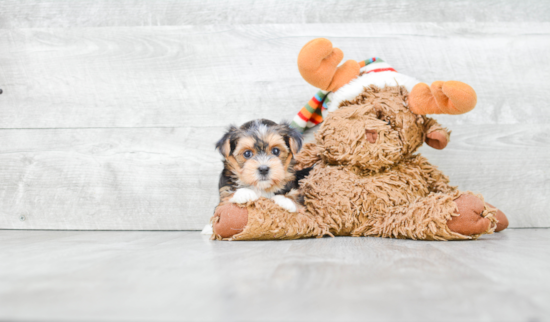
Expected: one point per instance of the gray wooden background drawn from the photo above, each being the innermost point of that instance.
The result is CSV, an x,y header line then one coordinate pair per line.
x,y
111,109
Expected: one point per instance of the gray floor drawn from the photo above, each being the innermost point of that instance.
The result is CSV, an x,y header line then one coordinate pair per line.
x,y
157,276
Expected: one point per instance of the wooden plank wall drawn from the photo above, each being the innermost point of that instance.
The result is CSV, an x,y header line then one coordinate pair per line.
x,y
111,109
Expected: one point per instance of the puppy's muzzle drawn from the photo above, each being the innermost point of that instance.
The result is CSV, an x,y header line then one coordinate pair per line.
x,y
263,170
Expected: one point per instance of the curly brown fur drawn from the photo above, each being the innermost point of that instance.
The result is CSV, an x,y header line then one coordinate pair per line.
x,y
308,156
372,132
412,199
366,180
268,221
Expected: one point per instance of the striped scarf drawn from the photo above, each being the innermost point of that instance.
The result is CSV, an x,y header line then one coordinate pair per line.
x,y
315,110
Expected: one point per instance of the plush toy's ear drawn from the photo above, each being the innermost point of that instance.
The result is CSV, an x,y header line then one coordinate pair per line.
x,y
224,145
292,137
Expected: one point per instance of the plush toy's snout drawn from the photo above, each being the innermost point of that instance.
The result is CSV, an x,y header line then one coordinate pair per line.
x,y
438,139
372,135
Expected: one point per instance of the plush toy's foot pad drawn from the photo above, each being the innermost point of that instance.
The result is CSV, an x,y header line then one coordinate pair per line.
x,y
502,219
231,220
470,222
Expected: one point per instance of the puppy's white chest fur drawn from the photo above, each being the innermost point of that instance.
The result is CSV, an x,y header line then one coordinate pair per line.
x,y
244,195
264,194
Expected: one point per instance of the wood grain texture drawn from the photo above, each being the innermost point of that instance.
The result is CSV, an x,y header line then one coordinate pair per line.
x,y
508,164
110,108
108,178
105,13
215,75
183,276
166,179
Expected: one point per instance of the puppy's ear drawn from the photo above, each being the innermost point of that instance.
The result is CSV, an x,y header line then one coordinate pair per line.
x,y
224,144
293,138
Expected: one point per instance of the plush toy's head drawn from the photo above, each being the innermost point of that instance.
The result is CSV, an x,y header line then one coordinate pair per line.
x,y
374,131
380,126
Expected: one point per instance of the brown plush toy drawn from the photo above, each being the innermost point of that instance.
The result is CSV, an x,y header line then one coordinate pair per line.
x,y
366,178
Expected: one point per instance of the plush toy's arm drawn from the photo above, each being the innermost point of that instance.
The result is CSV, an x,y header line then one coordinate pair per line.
x,y
436,135
264,220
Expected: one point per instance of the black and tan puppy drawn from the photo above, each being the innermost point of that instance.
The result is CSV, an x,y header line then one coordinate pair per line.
x,y
259,162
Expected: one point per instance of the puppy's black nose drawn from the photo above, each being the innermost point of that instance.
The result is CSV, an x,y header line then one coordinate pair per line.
x,y
263,170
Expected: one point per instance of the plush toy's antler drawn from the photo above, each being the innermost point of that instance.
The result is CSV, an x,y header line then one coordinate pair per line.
x,y
318,62
450,97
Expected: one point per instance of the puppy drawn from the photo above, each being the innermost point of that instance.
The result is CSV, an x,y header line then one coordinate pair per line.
x,y
259,162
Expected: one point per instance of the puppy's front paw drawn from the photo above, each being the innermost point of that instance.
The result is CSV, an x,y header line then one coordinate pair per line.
x,y
285,203
244,195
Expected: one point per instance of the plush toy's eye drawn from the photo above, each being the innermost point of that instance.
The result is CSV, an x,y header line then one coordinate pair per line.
x,y
247,154
275,151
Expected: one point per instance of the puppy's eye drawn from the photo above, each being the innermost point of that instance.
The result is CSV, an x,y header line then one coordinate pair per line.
x,y
247,154
275,151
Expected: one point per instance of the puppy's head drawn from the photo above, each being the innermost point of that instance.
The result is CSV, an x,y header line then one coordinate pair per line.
x,y
261,153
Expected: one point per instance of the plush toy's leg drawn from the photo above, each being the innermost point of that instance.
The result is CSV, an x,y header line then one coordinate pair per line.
x,y
502,219
229,219
262,220
470,220
438,216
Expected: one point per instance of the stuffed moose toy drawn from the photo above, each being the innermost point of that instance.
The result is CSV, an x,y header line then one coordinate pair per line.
x,y
366,179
